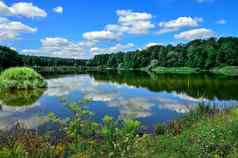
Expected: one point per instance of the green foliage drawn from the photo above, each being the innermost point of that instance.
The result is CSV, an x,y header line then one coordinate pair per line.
x,y
21,78
210,136
160,129
227,70
175,70
202,54
9,58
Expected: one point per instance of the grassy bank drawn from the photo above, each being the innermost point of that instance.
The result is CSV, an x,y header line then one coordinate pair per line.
x,y
227,70
205,132
174,70
210,136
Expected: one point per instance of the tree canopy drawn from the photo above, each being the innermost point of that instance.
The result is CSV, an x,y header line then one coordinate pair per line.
x,y
202,54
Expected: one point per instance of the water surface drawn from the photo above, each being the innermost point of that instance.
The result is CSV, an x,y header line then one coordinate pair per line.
x,y
148,98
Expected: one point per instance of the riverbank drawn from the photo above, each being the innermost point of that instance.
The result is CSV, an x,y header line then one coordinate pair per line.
x,y
175,70
209,136
227,70
204,132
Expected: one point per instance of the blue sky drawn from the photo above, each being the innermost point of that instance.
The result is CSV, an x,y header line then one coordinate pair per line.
x,y
82,29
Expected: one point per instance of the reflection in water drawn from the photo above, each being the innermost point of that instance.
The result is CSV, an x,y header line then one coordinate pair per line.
x,y
20,98
207,86
18,106
148,98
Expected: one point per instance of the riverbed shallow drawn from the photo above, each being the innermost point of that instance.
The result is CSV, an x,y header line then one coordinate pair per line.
x,y
149,98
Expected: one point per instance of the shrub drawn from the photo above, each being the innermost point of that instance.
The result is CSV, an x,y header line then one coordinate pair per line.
x,y
160,129
21,78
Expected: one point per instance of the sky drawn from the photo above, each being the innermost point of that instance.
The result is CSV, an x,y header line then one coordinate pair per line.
x,y
85,28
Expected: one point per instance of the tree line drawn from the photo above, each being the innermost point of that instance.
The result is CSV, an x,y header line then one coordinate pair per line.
x,y
10,58
202,54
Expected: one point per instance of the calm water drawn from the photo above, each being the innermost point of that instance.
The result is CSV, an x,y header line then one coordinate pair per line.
x,y
149,98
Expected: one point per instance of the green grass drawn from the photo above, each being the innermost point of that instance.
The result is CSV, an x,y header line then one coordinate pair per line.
x,y
174,70
227,70
20,78
208,137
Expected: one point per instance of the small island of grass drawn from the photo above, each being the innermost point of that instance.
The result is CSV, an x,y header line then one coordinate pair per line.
x,y
21,78
175,70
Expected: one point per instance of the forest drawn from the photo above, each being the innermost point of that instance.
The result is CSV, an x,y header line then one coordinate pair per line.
x,y
202,54
10,58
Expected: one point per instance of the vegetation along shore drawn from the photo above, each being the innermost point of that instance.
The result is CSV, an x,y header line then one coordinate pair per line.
x,y
205,132
219,56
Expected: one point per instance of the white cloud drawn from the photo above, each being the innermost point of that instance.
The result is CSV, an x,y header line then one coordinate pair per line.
x,y
60,47
21,9
128,22
115,49
132,22
12,29
54,42
101,35
175,25
221,22
200,33
58,9
127,16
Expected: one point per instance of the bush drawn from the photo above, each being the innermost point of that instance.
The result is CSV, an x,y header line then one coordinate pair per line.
x,y
160,129
21,78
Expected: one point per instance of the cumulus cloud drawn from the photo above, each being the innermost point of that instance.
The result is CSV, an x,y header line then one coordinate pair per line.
x,y
21,9
58,10
100,35
221,22
115,49
59,47
200,33
132,22
54,42
175,25
128,22
12,29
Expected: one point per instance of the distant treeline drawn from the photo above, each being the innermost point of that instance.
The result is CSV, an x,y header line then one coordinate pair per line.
x,y
202,54
10,58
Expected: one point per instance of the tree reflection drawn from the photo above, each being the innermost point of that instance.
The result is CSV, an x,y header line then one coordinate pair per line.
x,y
197,86
20,98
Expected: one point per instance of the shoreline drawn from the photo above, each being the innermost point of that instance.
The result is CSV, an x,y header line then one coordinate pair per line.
x,y
231,71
